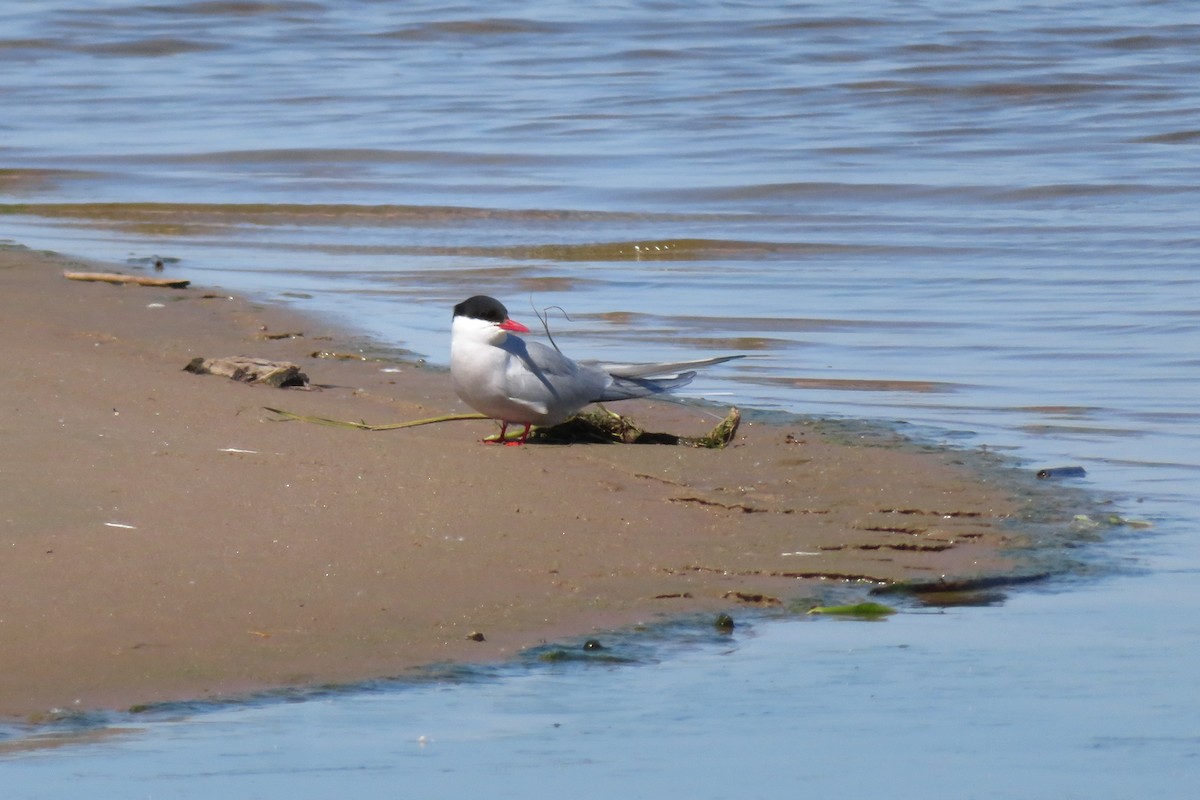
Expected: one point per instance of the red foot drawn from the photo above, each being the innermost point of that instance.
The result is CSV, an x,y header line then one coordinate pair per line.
x,y
499,438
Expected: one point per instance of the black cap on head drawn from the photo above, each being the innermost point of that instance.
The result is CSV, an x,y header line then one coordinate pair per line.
x,y
482,307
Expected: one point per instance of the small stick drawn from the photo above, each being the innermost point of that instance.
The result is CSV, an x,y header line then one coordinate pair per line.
x,y
112,277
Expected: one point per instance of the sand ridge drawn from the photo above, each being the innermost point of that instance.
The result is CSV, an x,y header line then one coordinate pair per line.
x,y
166,538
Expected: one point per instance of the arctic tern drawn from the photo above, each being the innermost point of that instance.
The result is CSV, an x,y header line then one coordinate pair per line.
x,y
527,383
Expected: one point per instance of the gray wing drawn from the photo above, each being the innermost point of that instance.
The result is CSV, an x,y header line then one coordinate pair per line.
x,y
545,379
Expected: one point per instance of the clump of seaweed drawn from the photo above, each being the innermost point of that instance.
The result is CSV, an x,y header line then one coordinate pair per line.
x,y
603,426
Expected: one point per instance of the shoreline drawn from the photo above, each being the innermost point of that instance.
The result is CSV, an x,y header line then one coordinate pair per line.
x,y
168,540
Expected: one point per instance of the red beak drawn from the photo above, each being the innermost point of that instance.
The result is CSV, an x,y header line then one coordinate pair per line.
x,y
513,325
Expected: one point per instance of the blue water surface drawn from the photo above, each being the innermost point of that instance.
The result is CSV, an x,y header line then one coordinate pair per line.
x,y
975,221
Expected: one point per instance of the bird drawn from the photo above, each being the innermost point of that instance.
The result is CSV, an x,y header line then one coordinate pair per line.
x,y
525,383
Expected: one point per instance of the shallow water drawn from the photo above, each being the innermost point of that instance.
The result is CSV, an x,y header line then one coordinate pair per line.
x,y
983,703
974,219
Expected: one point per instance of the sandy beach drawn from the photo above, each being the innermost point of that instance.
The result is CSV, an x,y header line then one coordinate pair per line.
x,y
167,538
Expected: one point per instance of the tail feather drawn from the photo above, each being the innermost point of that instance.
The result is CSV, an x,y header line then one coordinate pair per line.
x,y
666,370
623,388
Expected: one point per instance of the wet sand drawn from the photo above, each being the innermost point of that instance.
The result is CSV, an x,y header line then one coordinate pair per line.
x,y
166,538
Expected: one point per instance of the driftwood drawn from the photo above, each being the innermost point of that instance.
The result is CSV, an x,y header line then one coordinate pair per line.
x,y
113,277
280,374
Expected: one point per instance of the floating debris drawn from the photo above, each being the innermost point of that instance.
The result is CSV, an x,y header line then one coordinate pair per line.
x,y
866,610
965,599
1061,472
974,584
1082,522
158,262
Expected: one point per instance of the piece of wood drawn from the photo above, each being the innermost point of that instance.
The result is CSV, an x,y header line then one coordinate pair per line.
x,y
280,374
113,277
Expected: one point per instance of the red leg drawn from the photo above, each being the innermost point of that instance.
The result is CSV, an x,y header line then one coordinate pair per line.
x,y
524,436
499,439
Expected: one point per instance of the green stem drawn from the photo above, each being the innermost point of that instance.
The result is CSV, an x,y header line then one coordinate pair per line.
x,y
362,426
